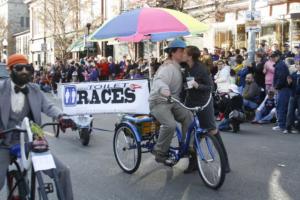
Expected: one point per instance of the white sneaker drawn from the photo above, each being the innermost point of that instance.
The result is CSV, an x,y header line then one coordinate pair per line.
x,y
295,131
290,131
286,131
277,128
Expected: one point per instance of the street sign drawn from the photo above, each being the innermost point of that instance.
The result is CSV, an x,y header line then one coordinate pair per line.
x,y
253,25
254,15
253,29
87,44
253,21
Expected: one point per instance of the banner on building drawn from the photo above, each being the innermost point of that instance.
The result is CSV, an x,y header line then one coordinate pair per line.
x,y
126,96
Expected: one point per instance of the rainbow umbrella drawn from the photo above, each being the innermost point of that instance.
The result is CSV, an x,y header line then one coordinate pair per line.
x,y
155,24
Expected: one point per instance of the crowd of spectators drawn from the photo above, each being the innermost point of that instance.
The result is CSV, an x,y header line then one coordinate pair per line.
x,y
266,90
269,87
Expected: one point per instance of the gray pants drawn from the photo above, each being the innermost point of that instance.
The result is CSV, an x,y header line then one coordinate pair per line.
x,y
167,115
63,173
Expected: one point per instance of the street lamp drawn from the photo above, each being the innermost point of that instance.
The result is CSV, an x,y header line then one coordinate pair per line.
x,y
88,26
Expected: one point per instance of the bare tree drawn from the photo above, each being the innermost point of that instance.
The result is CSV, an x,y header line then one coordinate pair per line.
x,y
3,32
217,7
62,22
173,4
3,28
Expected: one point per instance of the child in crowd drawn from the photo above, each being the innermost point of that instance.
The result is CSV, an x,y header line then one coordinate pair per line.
x,y
266,111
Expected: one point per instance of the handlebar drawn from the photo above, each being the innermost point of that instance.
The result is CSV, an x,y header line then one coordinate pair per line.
x,y
25,128
19,130
13,130
194,109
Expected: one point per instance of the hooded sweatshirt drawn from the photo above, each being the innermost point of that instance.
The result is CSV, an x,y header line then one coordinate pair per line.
x,y
167,77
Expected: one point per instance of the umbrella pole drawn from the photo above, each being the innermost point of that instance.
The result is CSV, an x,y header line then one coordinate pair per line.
x,y
149,61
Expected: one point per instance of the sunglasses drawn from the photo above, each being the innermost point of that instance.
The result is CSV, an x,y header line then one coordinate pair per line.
x,y
20,67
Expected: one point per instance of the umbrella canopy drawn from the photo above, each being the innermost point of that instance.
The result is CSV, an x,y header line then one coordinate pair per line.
x,y
155,24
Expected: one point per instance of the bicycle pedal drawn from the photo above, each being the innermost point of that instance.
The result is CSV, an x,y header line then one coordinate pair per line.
x,y
48,188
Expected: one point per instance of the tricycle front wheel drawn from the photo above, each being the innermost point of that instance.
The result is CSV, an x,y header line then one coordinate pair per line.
x,y
84,134
211,161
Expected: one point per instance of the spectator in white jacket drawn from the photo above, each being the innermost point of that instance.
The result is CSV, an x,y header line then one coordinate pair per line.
x,y
222,78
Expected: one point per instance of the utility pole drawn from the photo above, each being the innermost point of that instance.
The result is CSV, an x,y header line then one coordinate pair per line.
x,y
77,17
45,45
102,21
251,34
88,26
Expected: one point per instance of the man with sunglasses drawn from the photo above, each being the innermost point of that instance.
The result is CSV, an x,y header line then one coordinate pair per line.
x,y
19,99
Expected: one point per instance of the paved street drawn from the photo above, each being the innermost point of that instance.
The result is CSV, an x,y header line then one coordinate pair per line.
x,y
265,166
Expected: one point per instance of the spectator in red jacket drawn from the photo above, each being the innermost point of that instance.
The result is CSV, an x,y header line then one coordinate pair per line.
x,y
104,69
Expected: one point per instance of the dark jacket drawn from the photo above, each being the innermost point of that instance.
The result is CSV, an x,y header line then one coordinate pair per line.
x,y
287,54
234,103
80,76
280,75
295,86
259,76
70,73
199,96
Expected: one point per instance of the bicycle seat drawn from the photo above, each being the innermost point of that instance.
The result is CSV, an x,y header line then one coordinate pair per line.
x,y
139,118
152,116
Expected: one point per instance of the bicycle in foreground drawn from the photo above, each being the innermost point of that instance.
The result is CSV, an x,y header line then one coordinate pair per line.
x,y
27,165
136,134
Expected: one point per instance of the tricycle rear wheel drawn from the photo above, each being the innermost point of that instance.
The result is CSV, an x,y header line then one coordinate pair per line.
x,y
127,149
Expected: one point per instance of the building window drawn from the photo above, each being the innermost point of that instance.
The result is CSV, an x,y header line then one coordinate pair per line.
x,y
27,22
22,21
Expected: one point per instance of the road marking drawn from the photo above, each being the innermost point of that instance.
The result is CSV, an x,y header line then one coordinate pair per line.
x,y
276,191
49,134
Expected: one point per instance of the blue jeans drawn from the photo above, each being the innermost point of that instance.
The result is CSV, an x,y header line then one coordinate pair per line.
x,y
283,97
241,89
263,115
224,124
250,104
294,103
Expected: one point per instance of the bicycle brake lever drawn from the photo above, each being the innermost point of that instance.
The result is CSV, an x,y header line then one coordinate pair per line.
x,y
169,99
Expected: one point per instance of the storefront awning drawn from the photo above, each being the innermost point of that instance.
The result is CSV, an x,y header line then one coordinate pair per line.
x,y
77,46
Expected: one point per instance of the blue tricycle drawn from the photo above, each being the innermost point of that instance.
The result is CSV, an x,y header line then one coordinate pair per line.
x,y
137,134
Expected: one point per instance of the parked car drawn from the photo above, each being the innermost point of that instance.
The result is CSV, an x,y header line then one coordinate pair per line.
x,y
3,71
